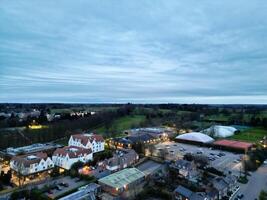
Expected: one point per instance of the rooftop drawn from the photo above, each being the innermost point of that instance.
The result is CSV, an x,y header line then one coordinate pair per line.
x,y
31,148
122,178
233,144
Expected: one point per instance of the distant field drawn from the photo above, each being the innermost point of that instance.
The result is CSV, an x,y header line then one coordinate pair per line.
x,y
250,135
89,109
219,117
123,123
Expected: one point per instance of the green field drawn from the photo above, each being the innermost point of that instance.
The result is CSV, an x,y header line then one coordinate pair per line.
x,y
121,124
219,117
85,108
250,135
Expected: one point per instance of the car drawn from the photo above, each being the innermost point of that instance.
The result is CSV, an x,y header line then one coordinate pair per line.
x,y
50,192
199,152
240,196
236,161
212,154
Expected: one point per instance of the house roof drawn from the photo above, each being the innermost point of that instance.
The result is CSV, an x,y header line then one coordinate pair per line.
x,y
183,191
134,138
29,159
72,151
84,138
189,194
195,137
122,178
122,157
233,144
219,183
140,137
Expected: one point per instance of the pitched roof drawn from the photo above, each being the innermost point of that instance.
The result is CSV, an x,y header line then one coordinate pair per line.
x,y
84,138
29,159
189,194
122,178
122,157
183,191
233,144
72,151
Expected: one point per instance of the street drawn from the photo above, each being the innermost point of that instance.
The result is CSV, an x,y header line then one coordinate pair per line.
x,y
257,182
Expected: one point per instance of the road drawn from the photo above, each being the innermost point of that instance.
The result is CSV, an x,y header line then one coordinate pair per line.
x,y
257,182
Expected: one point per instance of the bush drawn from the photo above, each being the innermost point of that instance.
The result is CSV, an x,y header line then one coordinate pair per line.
x,y
242,179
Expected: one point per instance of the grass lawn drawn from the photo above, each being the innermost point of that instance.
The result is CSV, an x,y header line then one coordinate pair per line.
x,y
123,123
219,117
253,134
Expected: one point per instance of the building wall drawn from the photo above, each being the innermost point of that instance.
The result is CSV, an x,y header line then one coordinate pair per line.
x,y
33,168
98,146
95,146
66,162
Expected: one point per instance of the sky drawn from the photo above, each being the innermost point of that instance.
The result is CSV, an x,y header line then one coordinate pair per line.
x,y
118,51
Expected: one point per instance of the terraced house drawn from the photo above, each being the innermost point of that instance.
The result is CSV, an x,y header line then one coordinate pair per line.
x,y
88,141
31,164
65,157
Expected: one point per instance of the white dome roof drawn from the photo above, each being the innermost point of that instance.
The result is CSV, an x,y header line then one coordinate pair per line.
x,y
196,137
220,131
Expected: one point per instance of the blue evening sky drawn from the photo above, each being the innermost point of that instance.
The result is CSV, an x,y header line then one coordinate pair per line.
x,y
149,51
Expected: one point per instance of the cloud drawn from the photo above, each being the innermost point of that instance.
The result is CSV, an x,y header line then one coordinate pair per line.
x,y
126,51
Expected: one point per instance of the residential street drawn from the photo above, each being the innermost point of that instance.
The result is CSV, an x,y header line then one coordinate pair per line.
x,y
257,182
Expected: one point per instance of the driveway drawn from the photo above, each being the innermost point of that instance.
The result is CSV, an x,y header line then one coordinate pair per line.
x,y
257,182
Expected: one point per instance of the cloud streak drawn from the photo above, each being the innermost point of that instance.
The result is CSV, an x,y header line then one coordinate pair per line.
x,y
125,51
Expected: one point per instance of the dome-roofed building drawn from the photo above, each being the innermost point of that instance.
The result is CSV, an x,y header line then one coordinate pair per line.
x,y
220,131
196,137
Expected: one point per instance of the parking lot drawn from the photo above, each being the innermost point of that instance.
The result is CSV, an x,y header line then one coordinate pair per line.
x,y
62,185
222,160
150,167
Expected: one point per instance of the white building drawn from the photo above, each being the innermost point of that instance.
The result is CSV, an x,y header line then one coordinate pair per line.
x,y
31,164
66,156
88,141
195,137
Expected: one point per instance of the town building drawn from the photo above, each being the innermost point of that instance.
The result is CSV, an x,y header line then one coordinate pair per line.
x,y
89,191
233,145
182,193
186,169
31,163
130,141
194,138
65,157
38,147
224,185
88,141
157,132
121,159
125,183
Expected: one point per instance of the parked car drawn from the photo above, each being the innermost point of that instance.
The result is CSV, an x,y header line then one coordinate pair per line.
x,y
240,196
